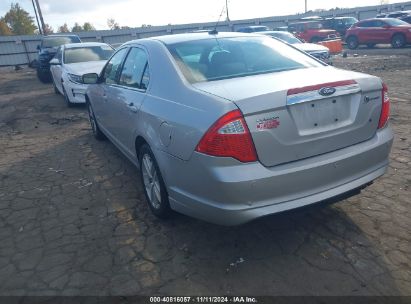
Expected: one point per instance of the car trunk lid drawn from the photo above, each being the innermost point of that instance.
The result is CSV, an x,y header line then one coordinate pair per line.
x,y
290,119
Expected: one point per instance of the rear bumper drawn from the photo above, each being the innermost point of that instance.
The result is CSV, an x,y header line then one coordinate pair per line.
x,y
227,192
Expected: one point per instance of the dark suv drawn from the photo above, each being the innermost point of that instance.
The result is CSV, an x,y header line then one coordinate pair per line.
x,y
47,49
340,24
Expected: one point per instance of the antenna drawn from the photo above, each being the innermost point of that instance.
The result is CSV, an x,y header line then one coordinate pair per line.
x,y
226,9
214,31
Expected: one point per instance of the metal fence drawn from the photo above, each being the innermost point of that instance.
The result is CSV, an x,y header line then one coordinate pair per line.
x,y
21,50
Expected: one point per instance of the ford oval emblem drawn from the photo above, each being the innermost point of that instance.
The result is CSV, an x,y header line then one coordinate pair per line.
x,y
327,91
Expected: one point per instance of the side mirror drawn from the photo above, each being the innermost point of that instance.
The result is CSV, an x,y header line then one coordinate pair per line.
x,y
90,78
38,47
55,61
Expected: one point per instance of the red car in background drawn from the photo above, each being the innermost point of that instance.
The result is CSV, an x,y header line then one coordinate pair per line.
x,y
311,31
379,30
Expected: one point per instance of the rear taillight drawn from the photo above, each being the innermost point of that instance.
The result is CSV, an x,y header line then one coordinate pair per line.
x,y
229,137
385,110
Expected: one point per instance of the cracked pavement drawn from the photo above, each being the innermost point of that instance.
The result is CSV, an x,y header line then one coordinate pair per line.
x,y
74,221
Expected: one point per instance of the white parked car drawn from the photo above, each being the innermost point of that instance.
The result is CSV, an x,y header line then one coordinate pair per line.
x,y
73,60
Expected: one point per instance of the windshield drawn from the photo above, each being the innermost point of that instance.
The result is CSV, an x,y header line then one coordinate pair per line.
x,y
314,25
84,54
349,21
215,59
395,22
49,42
286,37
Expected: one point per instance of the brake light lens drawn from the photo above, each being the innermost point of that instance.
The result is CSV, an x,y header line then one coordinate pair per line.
x,y
229,136
385,110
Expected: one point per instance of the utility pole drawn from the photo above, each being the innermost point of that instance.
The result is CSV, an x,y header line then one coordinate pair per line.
x,y
37,18
226,9
305,5
41,17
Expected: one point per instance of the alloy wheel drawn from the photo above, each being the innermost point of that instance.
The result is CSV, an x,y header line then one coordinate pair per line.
x,y
151,181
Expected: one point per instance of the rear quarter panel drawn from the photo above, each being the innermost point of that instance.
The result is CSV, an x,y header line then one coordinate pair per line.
x,y
175,115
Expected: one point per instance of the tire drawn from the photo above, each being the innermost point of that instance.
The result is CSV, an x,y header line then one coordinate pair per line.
x,y
352,42
398,41
66,98
153,184
44,77
370,45
56,91
93,123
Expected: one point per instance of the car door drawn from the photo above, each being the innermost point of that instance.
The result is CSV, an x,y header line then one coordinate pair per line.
x,y
56,70
104,94
381,32
128,97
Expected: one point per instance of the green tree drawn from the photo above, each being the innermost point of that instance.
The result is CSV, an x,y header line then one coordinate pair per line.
x,y
19,21
63,28
87,26
4,28
112,24
48,29
77,28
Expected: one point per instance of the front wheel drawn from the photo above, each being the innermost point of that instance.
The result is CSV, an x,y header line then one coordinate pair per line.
x,y
352,42
66,98
93,123
153,184
398,41
56,91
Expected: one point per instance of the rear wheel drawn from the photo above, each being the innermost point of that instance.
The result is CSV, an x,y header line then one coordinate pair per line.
x,y
352,42
153,184
93,123
398,41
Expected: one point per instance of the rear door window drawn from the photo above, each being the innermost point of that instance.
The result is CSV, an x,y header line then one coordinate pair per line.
x,y
133,69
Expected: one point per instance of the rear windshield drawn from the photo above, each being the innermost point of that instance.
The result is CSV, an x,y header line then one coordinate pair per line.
x,y
49,42
395,22
287,37
83,54
215,59
349,21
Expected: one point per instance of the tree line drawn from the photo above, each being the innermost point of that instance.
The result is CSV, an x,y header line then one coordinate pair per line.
x,y
18,21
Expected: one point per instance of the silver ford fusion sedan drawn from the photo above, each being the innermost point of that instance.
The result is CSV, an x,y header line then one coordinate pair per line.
x,y
229,127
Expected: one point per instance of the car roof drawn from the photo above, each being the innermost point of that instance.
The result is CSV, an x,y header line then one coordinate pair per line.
x,y
378,19
84,44
337,18
177,38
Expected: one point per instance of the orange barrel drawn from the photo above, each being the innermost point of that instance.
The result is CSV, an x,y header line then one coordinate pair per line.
x,y
334,45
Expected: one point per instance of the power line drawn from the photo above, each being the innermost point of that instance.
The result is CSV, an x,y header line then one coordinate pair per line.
x,y
41,17
37,18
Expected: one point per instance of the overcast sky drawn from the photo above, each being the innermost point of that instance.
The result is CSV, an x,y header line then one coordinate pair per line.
x,y
134,13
